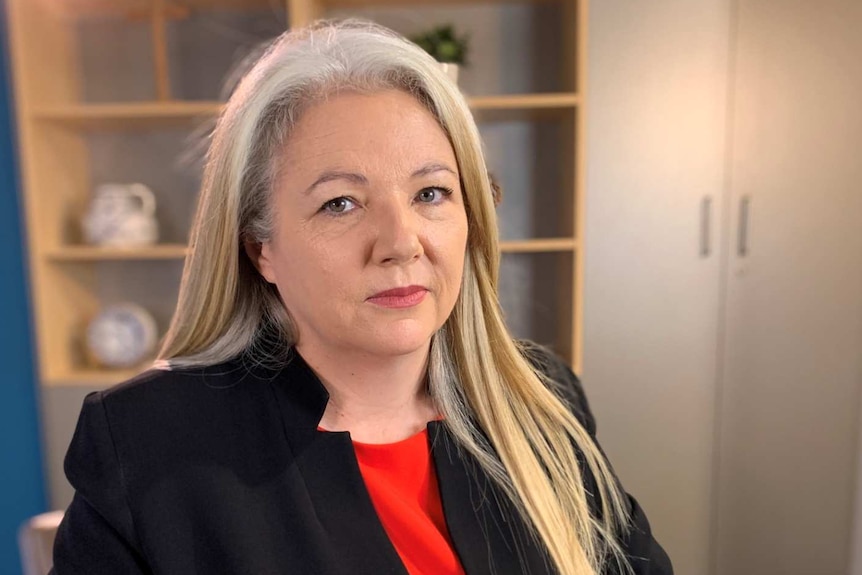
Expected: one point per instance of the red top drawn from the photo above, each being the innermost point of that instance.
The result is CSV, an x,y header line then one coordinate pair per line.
x,y
403,485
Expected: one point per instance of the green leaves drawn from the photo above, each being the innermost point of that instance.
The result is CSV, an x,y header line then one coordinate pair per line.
x,y
443,45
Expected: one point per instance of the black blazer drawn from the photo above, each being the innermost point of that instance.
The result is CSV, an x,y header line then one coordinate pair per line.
x,y
222,470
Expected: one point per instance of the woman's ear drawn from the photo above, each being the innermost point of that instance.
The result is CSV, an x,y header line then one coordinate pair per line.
x,y
260,255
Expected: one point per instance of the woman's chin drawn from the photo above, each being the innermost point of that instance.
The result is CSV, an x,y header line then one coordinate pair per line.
x,y
398,342
401,348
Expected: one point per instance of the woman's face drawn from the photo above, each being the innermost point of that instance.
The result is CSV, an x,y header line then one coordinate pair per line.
x,y
368,200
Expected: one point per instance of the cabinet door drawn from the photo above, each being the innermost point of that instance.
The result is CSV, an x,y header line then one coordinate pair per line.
x,y
793,338
658,85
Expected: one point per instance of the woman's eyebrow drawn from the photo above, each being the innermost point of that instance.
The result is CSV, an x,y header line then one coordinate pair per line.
x,y
331,175
431,168
359,179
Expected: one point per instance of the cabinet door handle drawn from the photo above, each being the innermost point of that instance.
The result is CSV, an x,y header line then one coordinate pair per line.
x,y
705,218
742,233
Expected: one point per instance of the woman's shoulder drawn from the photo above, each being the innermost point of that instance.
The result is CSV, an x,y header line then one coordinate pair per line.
x,y
164,391
173,429
161,375
164,415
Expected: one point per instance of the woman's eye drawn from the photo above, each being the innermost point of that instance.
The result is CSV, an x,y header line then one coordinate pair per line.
x,y
431,195
338,205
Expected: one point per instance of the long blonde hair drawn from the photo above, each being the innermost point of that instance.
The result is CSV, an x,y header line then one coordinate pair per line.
x,y
478,375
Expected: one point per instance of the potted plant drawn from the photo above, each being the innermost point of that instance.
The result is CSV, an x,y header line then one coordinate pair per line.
x,y
445,47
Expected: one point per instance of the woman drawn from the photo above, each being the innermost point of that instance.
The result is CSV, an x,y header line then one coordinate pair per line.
x,y
342,394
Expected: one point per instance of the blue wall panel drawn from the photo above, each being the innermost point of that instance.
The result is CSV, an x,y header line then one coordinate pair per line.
x,y
22,486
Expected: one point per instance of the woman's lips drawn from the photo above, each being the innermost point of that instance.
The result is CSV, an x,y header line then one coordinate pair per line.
x,y
399,297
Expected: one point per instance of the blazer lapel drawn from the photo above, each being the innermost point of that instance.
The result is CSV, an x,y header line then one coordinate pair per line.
x,y
487,531
348,522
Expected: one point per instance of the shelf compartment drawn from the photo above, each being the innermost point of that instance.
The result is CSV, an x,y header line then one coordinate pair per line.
x,y
154,114
515,47
96,253
153,285
207,51
535,291
531,163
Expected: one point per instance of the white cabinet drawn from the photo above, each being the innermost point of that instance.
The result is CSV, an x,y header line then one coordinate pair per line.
x,y
726,387
655,151
793,341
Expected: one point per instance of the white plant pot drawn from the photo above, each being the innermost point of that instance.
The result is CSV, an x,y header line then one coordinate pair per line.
x,y
451,70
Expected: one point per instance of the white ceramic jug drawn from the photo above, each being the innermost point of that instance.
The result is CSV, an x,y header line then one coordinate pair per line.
x,y
122,215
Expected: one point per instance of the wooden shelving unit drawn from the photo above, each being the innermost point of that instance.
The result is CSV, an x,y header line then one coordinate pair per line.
x,y
62,157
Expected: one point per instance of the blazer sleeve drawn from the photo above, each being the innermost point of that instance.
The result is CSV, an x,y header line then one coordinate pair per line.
x,y
97,535
645,555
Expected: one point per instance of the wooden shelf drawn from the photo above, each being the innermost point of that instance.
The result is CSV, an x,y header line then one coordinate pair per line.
x,y
539,245
179,251
155,114
96,253
525,101
417,3
529,107
138,9
133,114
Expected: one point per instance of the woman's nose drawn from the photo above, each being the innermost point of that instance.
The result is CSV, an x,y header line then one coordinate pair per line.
x,y
397,239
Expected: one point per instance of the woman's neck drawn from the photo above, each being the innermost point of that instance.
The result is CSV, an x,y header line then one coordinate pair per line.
x,y
378,400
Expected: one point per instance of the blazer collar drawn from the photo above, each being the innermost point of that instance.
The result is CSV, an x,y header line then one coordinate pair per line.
x,y
301,394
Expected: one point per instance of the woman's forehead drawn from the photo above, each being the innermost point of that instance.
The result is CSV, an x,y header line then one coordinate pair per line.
x,y
385,130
